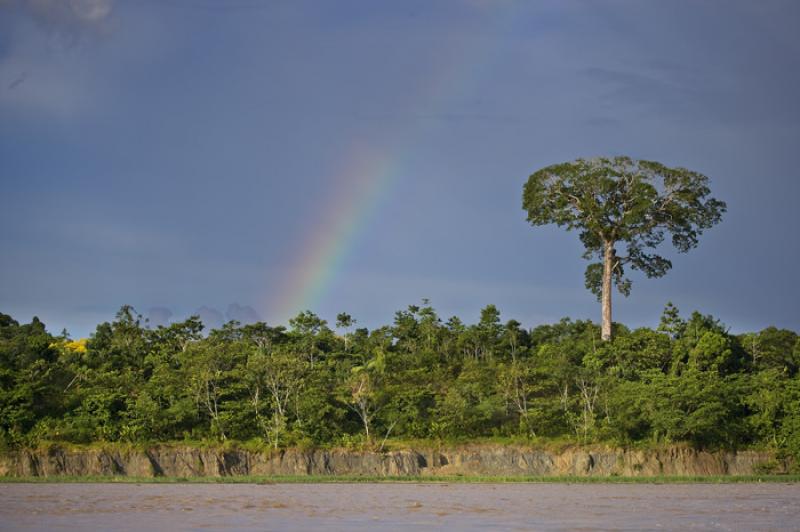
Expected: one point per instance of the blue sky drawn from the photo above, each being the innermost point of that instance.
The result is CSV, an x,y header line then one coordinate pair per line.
x,y
175,154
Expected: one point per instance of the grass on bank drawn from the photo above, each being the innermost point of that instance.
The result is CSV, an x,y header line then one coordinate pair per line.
x,y
256,445
455,479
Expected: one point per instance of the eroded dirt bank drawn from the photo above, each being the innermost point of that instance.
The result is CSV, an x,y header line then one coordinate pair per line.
x,y
181,461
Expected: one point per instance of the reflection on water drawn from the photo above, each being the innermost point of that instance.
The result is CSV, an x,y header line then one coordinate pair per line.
x,y
400,506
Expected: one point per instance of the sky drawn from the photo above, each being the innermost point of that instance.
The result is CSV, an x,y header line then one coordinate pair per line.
x,y
249,159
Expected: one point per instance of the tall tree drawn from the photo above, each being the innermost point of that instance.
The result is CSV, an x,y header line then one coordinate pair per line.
x,y
620,200
345,321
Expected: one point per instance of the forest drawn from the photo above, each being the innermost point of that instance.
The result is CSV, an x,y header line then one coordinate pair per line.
x,y
419,378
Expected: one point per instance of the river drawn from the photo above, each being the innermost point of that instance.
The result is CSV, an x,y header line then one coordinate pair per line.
x,y
425,506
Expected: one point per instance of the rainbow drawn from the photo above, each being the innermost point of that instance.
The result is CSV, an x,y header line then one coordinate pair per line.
x,y
363,181
367,175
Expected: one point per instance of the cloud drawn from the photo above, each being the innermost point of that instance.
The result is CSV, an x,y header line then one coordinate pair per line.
x,y
637,89
159,316
68,18
242,314
44,65
211,317
17,82
214,319
733,81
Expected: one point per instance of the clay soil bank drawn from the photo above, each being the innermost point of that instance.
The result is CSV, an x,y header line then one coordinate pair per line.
x,y
182,461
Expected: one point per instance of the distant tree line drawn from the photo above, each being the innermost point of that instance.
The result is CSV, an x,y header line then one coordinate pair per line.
x,y
421,377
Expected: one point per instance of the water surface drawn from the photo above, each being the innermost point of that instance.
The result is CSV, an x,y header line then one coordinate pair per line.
x,y
400,506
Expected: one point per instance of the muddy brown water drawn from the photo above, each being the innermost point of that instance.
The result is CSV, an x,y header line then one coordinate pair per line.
x,y
399,506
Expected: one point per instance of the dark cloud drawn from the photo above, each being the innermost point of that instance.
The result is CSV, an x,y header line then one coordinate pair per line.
x,y
66,18
699,65
207,184
17,82
685,96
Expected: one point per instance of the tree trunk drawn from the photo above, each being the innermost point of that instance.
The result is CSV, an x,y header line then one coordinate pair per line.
x,y
608,267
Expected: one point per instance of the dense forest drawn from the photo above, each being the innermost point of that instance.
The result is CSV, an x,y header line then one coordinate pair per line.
x,y
421,377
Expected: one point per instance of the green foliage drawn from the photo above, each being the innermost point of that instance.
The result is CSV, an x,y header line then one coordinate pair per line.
x,y
773,348
789,427
622,201
419,378
470,403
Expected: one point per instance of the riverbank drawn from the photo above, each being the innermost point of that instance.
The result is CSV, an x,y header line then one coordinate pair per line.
x,y
448,464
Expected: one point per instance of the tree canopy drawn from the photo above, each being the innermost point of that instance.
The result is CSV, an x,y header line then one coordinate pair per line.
x,y
419,377
624,201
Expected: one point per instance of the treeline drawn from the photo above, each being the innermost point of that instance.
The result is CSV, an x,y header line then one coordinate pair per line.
x,y
418,378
